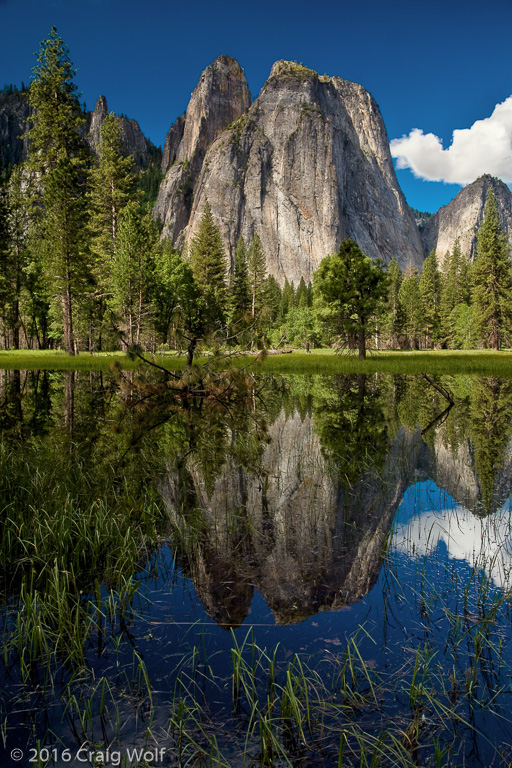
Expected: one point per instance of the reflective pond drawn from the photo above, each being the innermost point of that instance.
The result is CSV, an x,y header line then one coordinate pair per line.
x,y
315,574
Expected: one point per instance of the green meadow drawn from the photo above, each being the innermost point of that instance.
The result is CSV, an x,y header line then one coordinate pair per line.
x,y
321,361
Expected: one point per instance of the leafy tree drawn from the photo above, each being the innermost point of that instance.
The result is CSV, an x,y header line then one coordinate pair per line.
x,y
349,288
287,299
57,162
173,290
271,301
430,295
492,280
208,262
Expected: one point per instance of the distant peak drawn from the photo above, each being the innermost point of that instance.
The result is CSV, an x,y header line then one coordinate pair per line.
x,y
101,106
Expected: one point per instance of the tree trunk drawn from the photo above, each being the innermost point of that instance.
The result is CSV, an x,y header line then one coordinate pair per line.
x,y
67,319
361,342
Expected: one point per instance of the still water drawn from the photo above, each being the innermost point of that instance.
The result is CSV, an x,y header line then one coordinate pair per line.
x,y
315,575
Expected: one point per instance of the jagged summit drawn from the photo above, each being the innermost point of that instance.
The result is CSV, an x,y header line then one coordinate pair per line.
x,y
462,217
304,167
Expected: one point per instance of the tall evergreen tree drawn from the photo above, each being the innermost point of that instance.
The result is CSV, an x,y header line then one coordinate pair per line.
x,y
209,266
14,221
57,162
257,270
131,269
239,288
410,303
430,295
492,280
112,184
393,319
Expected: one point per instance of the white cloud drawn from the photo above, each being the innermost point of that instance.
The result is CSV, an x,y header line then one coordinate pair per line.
x,y
486,147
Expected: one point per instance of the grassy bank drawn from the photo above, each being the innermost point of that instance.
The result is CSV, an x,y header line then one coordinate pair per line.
x,y
324,361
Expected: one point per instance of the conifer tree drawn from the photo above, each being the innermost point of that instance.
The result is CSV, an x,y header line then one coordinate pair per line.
x,y
57,162
112,184
410,303
257,270
131,269
349,288
239,288
173,290
492,280
430,295
393,320
14,221
209,266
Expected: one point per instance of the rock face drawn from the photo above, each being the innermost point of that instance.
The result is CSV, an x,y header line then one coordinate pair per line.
x,y
463,215
133,140
219,98
14,110
306,166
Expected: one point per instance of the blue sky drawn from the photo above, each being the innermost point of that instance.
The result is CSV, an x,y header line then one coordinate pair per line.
x,y
435,66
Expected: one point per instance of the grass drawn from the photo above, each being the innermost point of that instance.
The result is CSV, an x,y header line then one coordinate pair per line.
x,y
321,361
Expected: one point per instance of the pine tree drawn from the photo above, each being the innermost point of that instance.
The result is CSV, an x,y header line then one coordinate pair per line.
x,y
14,255
454,291
112,184
430,295
57,163
349,288
257,269
209,265
239,288
410,303
131,269
492,280
393,320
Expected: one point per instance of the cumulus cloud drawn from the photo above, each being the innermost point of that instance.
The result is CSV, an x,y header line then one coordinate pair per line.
x,y
486,147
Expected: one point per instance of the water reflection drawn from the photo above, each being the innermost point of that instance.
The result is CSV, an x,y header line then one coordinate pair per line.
x,y
279,510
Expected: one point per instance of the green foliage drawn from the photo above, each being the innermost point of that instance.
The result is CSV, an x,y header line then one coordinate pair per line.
x,y
239,299
57,162
430,295
257,271
349,289
411,307
209,266
131,269
174,293
392,315
492,280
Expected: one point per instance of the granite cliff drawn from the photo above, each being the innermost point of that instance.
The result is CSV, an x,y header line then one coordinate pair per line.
x,y
220,97
304,167
462,217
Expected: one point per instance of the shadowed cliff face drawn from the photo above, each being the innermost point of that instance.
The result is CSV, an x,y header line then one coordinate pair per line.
x,y
14,111
462,217
220,97
307,166
133,141
306,519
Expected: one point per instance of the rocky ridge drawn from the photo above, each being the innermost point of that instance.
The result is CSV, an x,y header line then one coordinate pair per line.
x,y
462,217
304,167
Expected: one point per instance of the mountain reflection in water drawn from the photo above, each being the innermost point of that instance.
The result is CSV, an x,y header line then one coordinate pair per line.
x,y
385,496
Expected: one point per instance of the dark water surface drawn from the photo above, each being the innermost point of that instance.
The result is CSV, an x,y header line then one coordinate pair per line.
x,y
318,575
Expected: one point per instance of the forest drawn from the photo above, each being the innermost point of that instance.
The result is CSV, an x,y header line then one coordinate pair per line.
x,y
84,266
